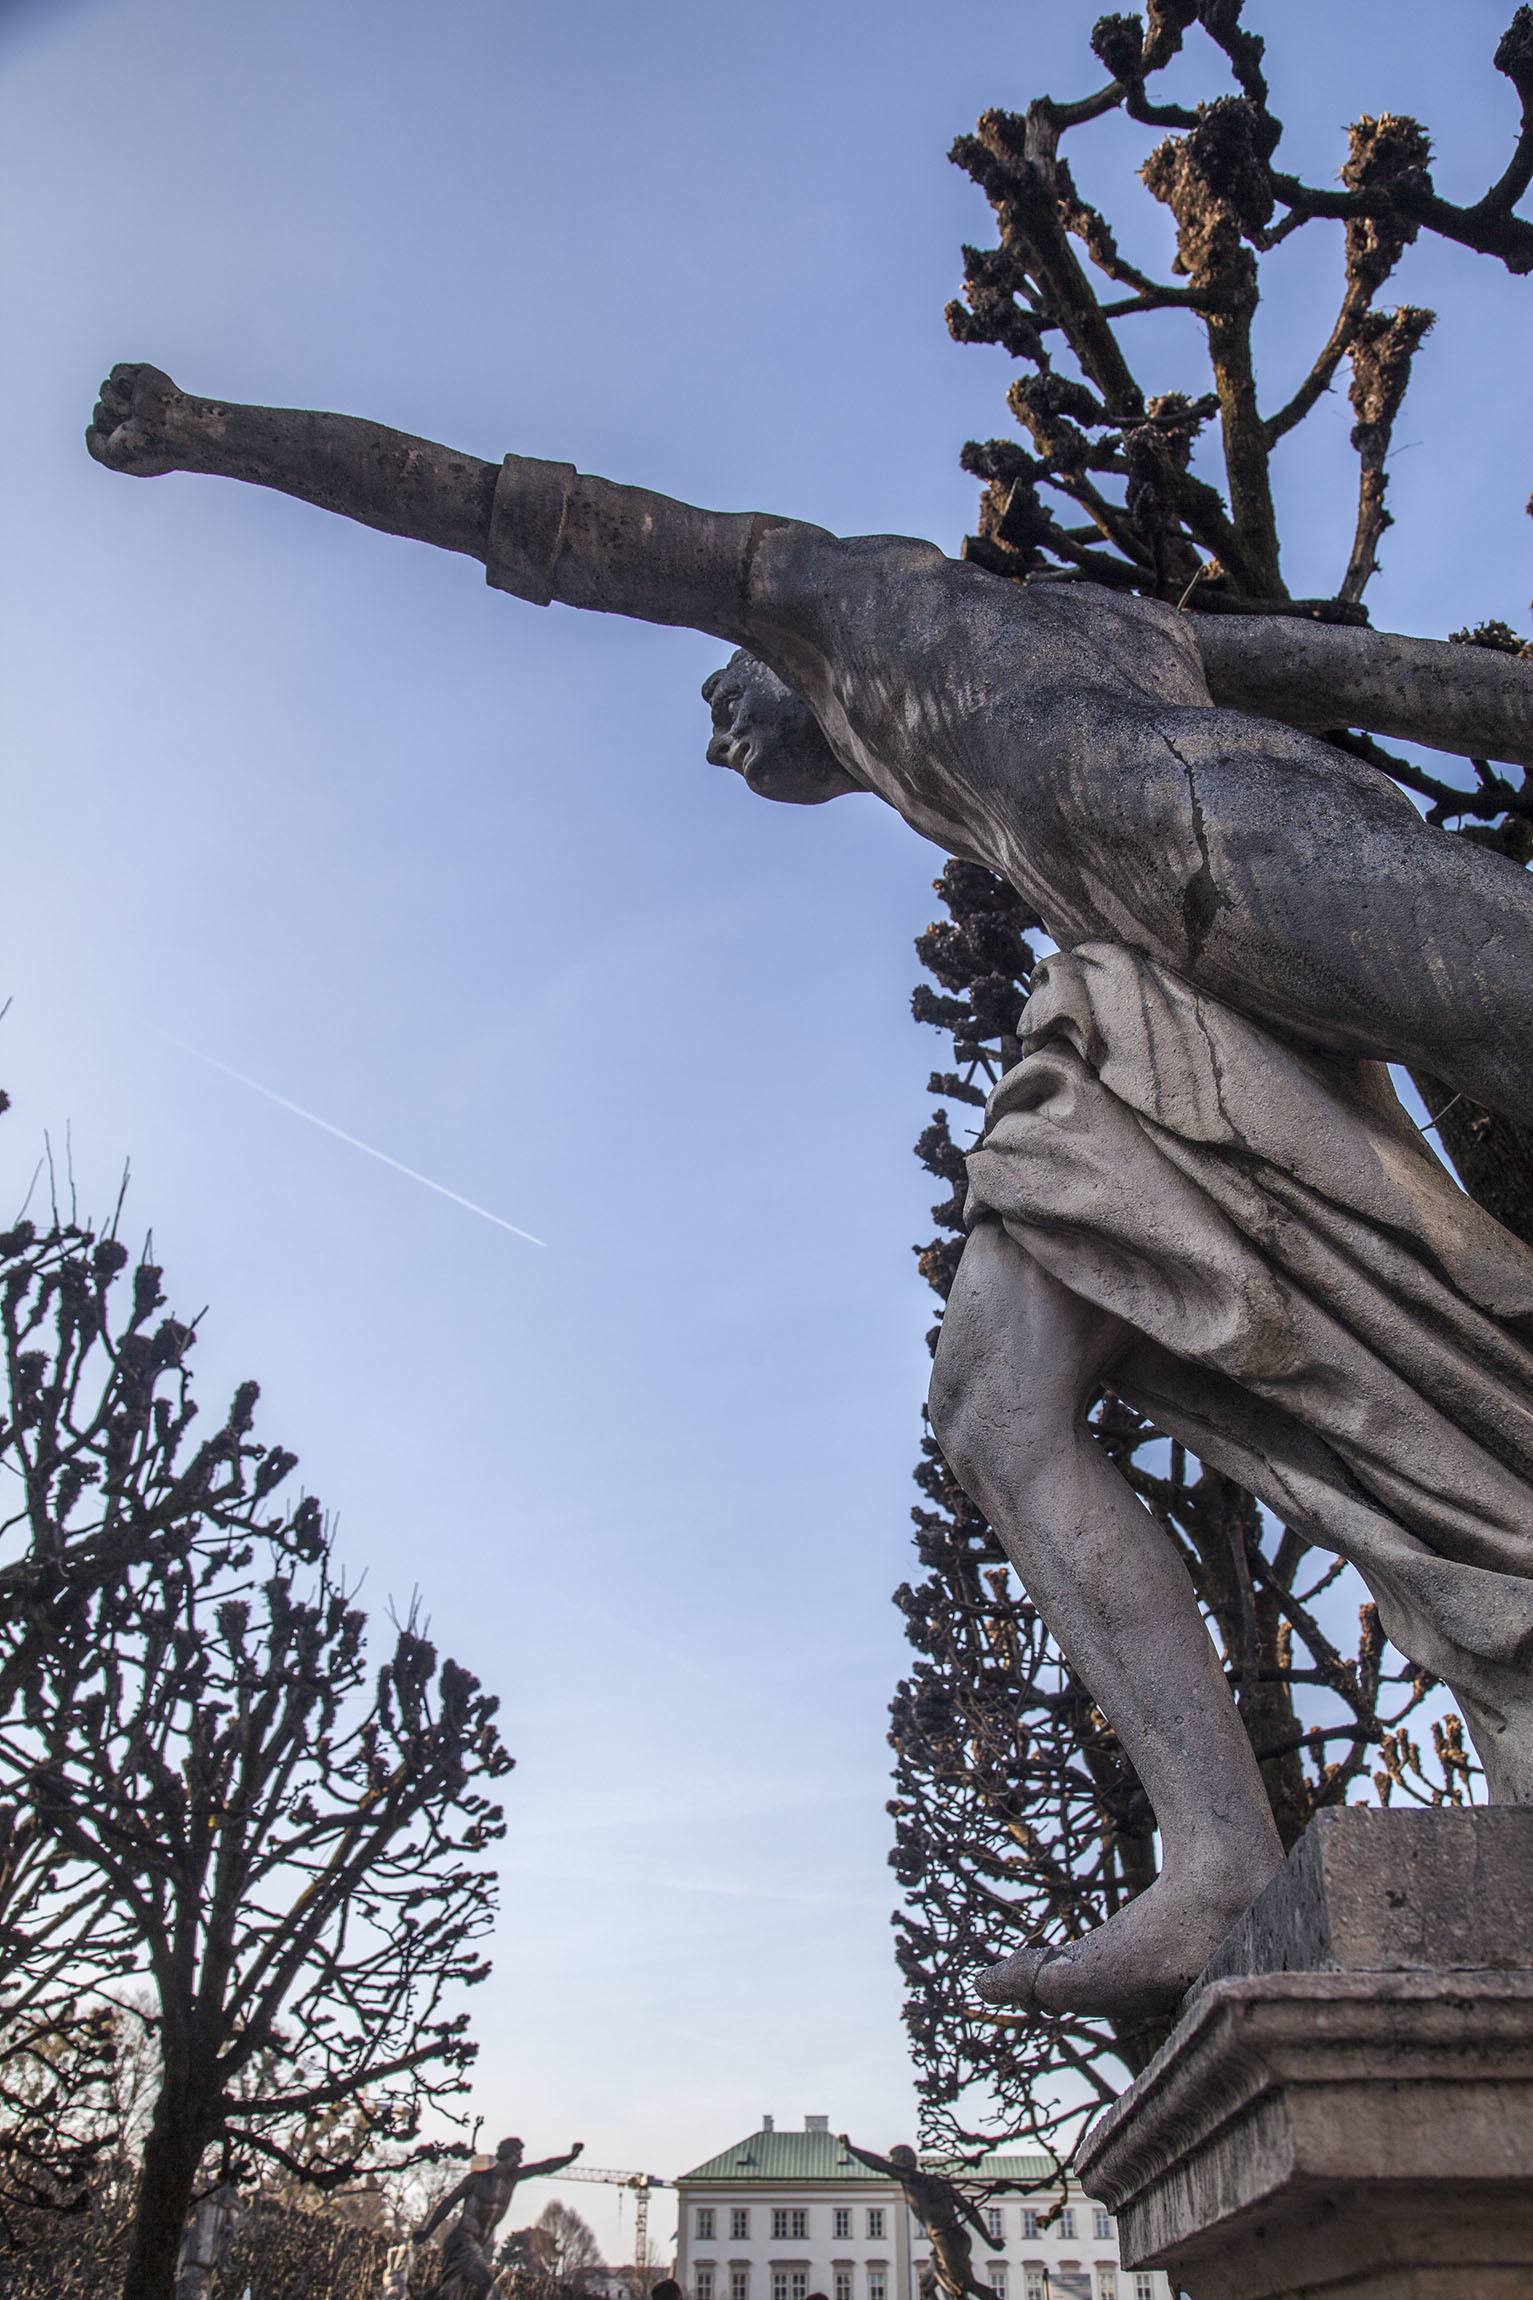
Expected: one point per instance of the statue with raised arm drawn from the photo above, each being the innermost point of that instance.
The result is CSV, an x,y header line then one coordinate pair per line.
x,y
1196,1183
941,2207
468,2268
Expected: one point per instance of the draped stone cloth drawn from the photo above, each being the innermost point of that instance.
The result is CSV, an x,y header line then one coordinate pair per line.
x,y
1318,1310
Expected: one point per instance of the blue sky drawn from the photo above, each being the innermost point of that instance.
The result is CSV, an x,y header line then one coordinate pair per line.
x,y
451,872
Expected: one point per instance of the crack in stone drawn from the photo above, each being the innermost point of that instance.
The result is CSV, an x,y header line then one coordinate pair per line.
x,y
1202,899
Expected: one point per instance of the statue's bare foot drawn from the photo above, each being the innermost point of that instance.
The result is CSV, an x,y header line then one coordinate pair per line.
x,y
1145,1959
131,428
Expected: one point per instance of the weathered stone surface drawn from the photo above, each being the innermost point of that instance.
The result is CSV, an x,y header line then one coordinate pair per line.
x,y
1366,1891
1346,2106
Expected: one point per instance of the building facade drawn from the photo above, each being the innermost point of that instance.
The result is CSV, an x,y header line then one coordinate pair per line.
x,y
788,2215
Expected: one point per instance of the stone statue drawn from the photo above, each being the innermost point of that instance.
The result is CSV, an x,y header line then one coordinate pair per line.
x,y
1196,1182
468,2270
396,2273
205,2241
942,2208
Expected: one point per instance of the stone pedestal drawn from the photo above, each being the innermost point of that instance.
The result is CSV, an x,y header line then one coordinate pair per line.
x,y
1345,2107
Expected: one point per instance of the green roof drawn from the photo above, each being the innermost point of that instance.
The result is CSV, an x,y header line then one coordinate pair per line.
x,y
783,2156
1001,2164
778,2156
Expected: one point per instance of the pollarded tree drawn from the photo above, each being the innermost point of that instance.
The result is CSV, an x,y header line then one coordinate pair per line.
x,y
96,1435
289,1836
58,2051
101,1472
1014,1805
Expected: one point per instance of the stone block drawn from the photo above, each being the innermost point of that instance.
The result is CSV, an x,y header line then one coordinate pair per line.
x,y
1345,2107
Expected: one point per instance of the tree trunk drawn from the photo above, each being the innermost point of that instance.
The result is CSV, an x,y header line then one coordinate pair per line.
x,y
167,2177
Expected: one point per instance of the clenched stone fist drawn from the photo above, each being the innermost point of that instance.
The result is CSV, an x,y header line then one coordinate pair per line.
x,y
129,430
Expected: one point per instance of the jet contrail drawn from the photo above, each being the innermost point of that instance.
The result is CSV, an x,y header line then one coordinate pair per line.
x,y
341,1135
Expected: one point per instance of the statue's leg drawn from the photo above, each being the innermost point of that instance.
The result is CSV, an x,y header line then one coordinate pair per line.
x,y
1019,1361
955,2253
473,2274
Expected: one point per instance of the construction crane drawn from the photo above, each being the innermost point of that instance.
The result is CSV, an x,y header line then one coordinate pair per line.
x,y
640,2183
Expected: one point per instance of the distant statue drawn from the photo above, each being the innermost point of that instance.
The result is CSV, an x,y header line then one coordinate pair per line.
x,y
941,2207
205,2241
396,2273
1196,1184
468,2268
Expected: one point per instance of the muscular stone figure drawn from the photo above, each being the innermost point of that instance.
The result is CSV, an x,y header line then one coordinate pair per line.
x,y
942,2208
1196,1181
468,2269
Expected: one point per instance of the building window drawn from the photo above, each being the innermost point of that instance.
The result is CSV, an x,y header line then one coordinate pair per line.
x,y
1107,2282
843,2223
789,2283
878,2283
790,2227
702,2284
1066,2228
705,2224
1034,2287
1144,2284
993,2221
1101,2226
843,2284
995,2277
1029,2229
740,2224
875,2224
739,2284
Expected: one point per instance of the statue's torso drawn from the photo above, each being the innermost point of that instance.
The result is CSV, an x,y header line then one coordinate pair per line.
x,y
1063,736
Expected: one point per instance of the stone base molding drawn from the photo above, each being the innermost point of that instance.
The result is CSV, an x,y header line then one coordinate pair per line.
x,y
1345,2108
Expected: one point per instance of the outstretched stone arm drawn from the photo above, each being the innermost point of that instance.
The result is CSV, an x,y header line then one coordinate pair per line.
x,y
1473,700
144,425
543,530
874,2163
546,532
550,2164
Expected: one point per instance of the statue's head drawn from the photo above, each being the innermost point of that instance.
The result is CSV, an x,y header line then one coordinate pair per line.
x,y
904,2157
770,738
509,2152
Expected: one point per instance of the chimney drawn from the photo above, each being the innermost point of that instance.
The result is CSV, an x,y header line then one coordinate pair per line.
x,y
767,2124
817,2124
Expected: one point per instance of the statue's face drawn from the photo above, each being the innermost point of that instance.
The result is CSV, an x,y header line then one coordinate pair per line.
x,y
509,2152
770,738
903,2155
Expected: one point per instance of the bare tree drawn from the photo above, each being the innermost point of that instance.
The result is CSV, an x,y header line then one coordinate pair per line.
x,y
96,1470
285,1838
96,1439
1014,1808
58,2052
574,2253
78,2254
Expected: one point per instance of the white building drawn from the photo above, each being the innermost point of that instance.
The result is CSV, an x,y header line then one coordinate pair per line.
x,y
788,2215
